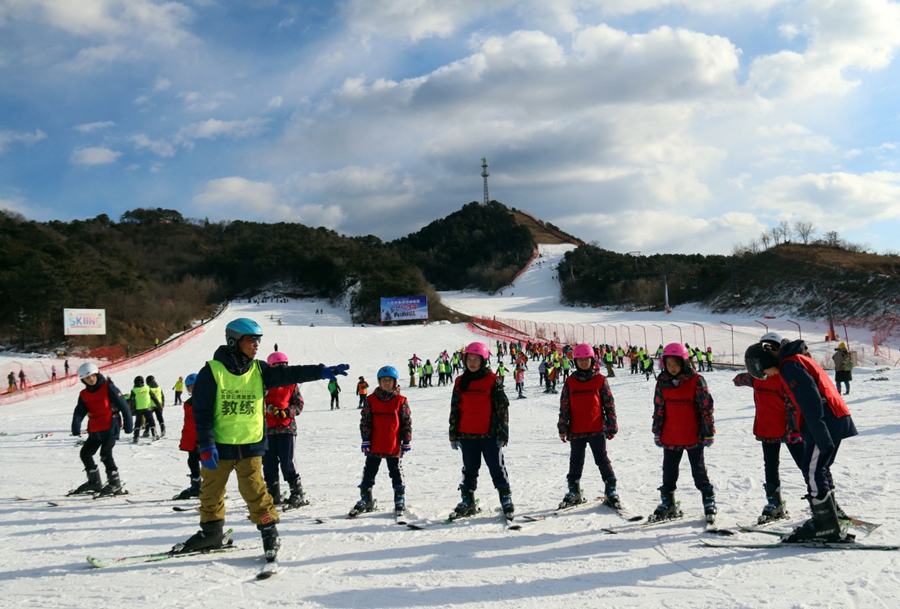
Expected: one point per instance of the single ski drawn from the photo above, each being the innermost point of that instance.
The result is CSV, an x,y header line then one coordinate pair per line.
x,y
642,525
127,561
270,569
815,545
418,526
713,528
862,525
181,508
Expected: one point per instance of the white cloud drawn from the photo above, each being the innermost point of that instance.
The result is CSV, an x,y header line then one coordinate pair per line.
x,y
212,129
263,201
844,37
89,127
845,199
162,84
159,147
99,57
94,156
275,102
198,102
7,138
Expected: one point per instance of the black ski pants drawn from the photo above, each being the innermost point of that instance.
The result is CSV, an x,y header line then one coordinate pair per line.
x,y
89,449
371,469
772,459
672,463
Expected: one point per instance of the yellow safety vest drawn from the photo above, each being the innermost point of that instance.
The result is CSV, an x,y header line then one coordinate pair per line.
x,y
240,405
141,398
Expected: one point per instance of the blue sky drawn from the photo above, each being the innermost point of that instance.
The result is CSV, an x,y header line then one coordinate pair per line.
x,y
650,125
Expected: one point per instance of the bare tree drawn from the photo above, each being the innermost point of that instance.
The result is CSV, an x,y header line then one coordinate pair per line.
x,y
832,238
776,234
804,231
785,227
765,239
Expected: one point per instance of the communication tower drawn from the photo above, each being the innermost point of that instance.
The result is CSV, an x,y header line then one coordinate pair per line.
x,y
485,174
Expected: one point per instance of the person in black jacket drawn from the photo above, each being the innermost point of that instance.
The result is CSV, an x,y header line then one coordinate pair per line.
x,y
826,422
229,412
107,412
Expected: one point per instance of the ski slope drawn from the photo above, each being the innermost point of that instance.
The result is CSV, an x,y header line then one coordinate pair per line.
x,y
562,561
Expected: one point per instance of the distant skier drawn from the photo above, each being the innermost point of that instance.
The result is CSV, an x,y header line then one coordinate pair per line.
x,y
178,387
159,402
189,443
334,389
107,412
362,389
141,403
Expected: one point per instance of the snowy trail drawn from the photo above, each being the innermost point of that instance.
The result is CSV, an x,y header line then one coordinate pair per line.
x,y
561,561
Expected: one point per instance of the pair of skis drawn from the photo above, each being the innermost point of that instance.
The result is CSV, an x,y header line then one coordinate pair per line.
x,y
268,570
780,543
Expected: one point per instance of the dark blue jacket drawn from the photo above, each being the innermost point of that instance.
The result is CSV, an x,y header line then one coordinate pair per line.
x,y
204,398
116,402
820,425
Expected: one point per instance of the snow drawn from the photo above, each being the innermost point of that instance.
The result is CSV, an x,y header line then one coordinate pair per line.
x,y
563,560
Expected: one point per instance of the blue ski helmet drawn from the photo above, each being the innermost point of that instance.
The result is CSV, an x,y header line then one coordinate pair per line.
x,y
241,327
190,380
389,371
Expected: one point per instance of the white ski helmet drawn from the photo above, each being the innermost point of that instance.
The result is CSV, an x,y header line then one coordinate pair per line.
x,y
86,369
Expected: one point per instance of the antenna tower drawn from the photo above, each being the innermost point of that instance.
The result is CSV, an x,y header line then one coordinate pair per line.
x,y
485,174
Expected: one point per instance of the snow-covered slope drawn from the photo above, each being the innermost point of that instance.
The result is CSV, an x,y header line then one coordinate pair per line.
x,y
562,561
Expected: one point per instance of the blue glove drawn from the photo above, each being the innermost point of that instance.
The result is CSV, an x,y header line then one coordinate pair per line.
x,y
366,447
707,442
454,444
329,372
209,457
657,440
501,443
405,448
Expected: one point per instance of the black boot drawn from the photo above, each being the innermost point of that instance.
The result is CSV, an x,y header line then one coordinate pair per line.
x,y
573,497
162,430
824,524
113,485
610,496
192,491
506,502
467,506
667,508
211,536
275,491
153,431
842,515
365,503
775,508
271,541
93,484
399,500
709,503
297,497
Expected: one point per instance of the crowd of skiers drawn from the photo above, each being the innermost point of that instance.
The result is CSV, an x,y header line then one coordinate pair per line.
x,y
241,416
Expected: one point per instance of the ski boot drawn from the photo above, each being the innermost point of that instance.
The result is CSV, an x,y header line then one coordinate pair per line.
x,y
467,506
274,490
153,432
824,524
297,497
610,496
93,484
775,509
190,492
573,497
162,430
709,503
365,503
842,515
667,508
146,433
399,500
506,502
270,539
113,485
211,536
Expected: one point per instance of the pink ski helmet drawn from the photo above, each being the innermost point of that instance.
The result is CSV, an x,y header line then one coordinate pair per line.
x,y
277,358
479,349
583,350
676,349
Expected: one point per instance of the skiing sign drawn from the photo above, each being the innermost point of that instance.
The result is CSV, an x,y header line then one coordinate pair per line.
x,y
404,308
84,321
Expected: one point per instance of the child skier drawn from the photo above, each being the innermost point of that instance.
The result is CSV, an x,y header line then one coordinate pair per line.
x,y
362,389
159,402
587,416
682,421
334,389
385,425
826,422
102,403
229,413
283,406
479,426
775,424
189,443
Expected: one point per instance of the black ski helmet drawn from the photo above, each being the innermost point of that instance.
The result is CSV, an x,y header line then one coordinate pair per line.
x,y
758,359
138,381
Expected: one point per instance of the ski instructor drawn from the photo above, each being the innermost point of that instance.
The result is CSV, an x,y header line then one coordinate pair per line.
x,y
229,411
